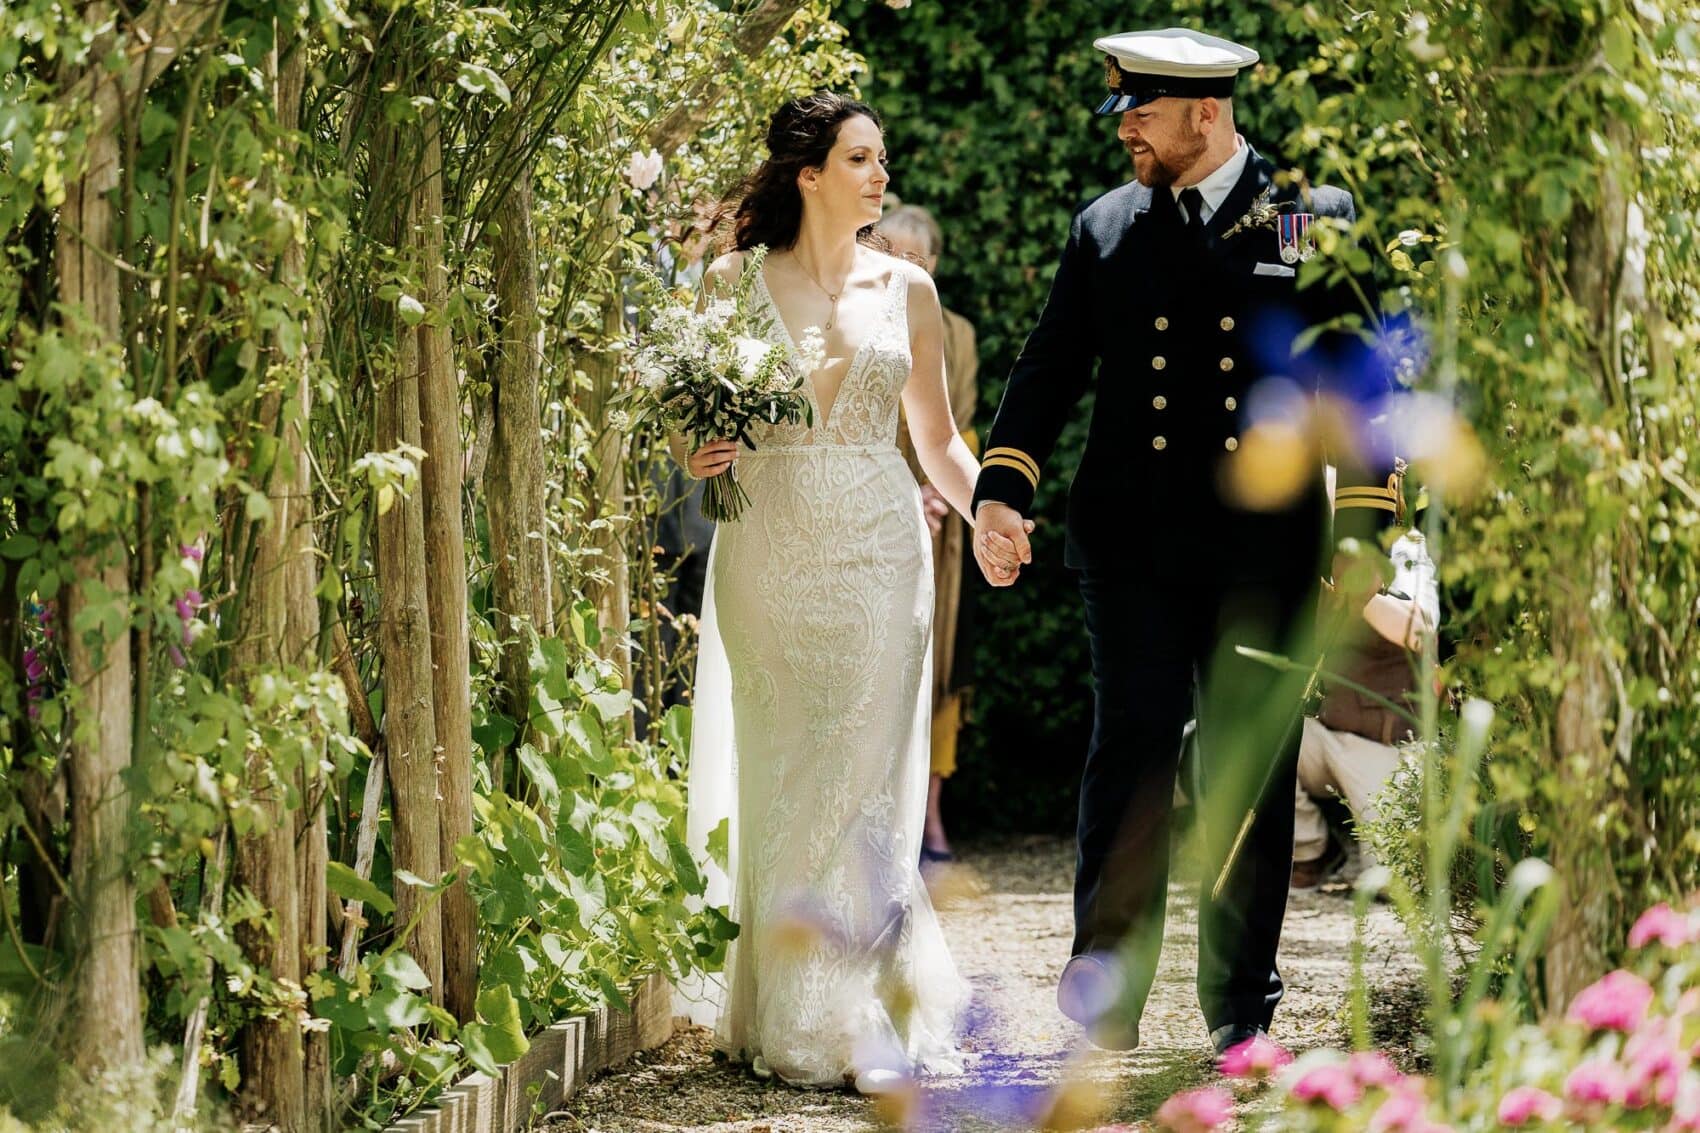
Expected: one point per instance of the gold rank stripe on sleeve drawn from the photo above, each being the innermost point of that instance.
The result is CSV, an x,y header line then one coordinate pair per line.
x,y
1382,499
1004,457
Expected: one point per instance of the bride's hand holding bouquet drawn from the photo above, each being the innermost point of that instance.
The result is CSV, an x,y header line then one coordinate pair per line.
x,y
706,375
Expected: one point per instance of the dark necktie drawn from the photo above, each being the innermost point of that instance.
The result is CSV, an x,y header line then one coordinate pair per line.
x,y
1193,202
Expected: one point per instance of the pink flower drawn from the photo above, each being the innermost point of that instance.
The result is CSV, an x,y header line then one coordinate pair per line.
x,y
1257,1057
190,551
1618,1001
1196,1111
1597,1082
1685,1114
1372,1068
1528,1103
1402,1112
1332,1084
1656,1060
1663,924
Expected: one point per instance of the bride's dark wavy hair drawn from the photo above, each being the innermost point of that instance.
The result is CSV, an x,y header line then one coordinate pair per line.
x,y
768,207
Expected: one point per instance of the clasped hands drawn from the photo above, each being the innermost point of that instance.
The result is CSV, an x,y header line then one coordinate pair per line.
x,y
1000,534
1000,542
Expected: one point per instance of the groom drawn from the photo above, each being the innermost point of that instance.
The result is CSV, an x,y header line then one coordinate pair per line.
x,y
1197,519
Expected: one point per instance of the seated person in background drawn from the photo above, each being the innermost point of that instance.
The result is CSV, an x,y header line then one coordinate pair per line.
x,y
1349,747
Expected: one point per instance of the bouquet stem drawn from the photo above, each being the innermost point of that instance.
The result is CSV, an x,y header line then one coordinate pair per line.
x,y
723,498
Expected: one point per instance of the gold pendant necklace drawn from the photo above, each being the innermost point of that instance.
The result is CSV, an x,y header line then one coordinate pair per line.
x,y
832,315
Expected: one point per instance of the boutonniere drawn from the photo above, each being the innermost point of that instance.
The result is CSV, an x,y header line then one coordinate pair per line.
x,y
1261,214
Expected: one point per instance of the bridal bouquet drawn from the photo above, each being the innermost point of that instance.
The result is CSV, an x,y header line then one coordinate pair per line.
x,y
707,375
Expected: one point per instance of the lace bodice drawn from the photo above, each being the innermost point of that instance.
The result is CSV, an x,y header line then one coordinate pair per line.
x,y
865,411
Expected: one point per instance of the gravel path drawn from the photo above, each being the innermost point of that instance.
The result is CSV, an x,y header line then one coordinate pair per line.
x,y
1007,914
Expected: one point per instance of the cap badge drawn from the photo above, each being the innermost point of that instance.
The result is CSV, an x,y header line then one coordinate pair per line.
x,y
1112,74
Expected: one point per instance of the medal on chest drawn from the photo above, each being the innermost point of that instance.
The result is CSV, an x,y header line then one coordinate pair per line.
x,y
1292,231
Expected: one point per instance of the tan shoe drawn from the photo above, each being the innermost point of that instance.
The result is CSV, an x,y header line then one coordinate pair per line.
x,y
1309,874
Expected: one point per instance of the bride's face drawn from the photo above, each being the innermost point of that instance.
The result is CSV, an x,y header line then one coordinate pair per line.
x,y
851,185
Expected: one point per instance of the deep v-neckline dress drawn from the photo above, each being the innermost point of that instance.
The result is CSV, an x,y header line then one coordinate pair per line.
x,y
811,737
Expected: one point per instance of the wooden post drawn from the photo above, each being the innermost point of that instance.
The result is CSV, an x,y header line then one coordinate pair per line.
x,y
106,1023
445,573
404,628
516,476
1583,751
611,590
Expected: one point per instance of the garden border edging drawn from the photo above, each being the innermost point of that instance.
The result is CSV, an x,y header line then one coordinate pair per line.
x,y
563,1057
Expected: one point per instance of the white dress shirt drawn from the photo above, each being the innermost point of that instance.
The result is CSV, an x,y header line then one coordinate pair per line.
x,y
1216,187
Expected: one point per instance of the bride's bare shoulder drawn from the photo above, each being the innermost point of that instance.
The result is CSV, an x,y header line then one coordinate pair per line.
x,y
910,273
726,269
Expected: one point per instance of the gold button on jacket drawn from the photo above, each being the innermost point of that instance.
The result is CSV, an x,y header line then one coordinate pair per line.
x,y
1227,364
1230,404
1161,323
1227,322
1159,402
1159,443
1159,362
1231,443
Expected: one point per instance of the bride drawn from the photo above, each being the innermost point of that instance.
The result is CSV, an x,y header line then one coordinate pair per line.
x,y
811,713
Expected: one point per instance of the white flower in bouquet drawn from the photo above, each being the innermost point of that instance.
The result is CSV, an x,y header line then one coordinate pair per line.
x,y
721,313
753,356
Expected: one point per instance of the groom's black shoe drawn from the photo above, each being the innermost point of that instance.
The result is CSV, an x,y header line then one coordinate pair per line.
x,y
1227,1038
1089,992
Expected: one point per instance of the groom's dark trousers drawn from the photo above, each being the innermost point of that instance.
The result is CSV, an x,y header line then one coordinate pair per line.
x,y
1162,629
1192,338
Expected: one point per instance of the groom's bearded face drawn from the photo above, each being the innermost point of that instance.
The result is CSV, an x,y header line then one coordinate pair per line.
x,y
1162,140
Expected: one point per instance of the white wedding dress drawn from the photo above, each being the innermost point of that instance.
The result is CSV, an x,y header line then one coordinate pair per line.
x,y
811,733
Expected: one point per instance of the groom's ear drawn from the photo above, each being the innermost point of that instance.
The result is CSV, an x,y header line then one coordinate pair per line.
x,y
1206,113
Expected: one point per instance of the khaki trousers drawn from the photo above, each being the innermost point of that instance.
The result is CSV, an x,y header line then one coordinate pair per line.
x,y
1336,763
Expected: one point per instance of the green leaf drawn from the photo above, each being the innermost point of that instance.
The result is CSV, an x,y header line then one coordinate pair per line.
x,y
676,729
552,668
584,625
394,1009
401,969
482,80
474,852
19,547
719,844
537,769
611,991
584,731
684,865
494,734
577,854
204,736
350,886
1619,45
499,1036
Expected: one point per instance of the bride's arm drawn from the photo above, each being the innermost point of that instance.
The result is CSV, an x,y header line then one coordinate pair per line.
x,y
944,455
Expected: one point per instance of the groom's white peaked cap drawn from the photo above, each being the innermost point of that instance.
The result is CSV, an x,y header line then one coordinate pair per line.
x,y
1143,66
